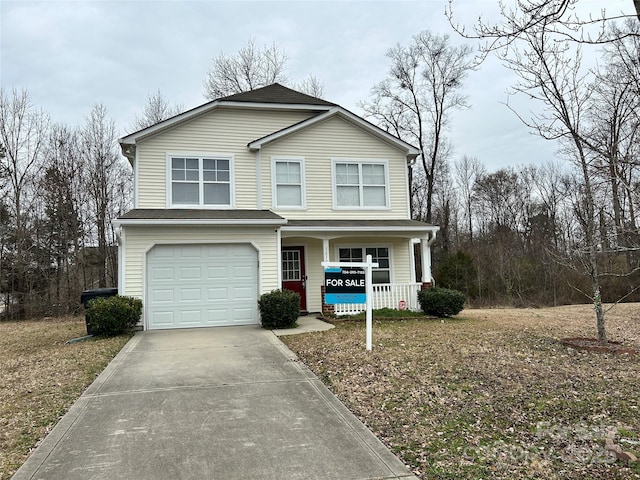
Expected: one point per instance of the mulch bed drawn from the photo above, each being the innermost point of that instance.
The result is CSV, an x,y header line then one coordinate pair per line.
x,y
593,345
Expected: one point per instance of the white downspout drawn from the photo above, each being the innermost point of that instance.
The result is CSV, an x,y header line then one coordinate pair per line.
x,y
120,237
259,179
279,250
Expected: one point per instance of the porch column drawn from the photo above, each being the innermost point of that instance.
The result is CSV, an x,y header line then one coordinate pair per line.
x,y
325,250
425,249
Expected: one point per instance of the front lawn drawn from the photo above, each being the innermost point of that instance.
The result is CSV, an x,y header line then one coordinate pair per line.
x,y
491,393
40,377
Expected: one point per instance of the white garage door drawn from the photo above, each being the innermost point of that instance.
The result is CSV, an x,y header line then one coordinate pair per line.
x,y
202,285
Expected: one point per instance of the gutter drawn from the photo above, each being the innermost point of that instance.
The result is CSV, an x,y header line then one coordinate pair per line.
x,y
147,222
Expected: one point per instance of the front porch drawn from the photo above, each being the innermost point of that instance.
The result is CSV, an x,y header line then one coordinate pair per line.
x,y
305,244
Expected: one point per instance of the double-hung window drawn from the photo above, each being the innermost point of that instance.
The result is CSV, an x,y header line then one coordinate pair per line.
x,y
360,184
200,181
382,274
288,183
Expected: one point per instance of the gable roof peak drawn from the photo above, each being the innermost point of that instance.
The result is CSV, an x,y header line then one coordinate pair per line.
x,y
275,93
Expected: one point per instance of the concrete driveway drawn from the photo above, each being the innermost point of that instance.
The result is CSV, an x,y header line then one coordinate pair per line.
x,y
209,403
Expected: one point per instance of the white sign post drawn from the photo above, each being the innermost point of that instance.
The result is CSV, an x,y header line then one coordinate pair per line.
x,y
368,266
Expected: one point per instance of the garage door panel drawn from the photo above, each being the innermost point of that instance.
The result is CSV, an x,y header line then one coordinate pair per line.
x,y
217,273
243,294
243,272
162,319
161,295
190,273
191,317
163,274
217,316
244,314
218,293
187,253
163,254
216,252
190,294
202,285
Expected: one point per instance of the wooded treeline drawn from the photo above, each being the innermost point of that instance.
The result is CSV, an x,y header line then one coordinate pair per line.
x,y
512,237
60,189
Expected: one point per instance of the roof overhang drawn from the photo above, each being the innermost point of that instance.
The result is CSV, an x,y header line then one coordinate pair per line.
x,y
200,217
333,228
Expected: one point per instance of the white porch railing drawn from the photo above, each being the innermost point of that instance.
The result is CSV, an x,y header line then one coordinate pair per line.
x,y
385,295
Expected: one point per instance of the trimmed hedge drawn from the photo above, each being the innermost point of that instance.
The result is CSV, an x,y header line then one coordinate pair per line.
x,y
113,316
441,302
279,309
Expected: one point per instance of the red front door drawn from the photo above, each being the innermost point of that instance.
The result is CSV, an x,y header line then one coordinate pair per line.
x,y
293,273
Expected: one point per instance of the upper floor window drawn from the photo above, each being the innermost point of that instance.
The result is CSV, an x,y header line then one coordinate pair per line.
x,y
360,184
201,181
288,183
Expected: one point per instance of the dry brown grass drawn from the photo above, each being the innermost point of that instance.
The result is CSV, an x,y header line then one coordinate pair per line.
x,y
490,394
40,377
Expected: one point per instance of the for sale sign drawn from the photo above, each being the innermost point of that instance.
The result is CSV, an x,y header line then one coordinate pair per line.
x,y
345,285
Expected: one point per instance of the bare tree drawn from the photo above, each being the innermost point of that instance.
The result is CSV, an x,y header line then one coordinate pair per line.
x,y
106,177
615,115
551,73
22,134
467,171
249,69
416,100
559,18
311,86
156,110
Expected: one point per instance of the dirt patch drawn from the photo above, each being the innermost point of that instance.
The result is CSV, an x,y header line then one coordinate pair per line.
x,y
491,393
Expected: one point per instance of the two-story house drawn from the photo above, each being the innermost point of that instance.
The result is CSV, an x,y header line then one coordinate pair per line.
x,y
251,193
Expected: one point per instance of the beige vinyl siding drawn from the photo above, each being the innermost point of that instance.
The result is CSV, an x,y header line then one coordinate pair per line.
x,y
335,138
140,239
221,131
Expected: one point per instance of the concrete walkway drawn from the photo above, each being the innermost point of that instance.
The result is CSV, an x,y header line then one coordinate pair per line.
x,y
209,403
306,324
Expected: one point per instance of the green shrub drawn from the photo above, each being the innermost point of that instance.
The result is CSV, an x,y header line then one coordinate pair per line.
x,y
113,316
279,308
441,302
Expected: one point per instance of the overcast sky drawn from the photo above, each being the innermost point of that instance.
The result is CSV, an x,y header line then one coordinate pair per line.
x,y
71,55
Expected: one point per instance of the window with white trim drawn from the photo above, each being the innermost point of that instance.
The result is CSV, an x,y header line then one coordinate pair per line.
x,y
200,181
360,184
288,183
382,274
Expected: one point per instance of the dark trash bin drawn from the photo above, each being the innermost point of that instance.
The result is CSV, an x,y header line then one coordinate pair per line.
x,y
88,295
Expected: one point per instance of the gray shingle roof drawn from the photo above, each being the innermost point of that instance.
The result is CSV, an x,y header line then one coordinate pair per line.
x,y
276,93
